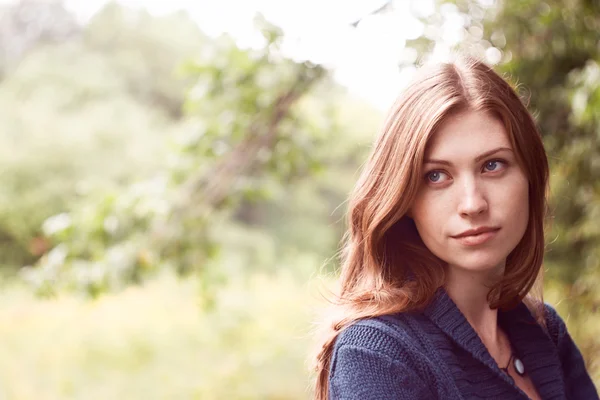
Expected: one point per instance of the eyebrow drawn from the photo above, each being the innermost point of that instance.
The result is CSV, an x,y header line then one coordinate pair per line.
x,y
477,159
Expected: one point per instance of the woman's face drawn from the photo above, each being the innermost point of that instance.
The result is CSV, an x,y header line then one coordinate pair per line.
x,y
472,206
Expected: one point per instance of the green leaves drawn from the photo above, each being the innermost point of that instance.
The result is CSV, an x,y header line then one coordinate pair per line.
x,y
239,136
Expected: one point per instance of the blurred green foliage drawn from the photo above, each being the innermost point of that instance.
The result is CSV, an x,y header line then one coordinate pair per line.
x,y
236,126
136,149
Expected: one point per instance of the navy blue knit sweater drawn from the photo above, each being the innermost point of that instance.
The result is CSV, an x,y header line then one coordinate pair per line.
x,y
436,354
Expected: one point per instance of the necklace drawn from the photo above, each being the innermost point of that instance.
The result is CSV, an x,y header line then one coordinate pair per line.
x,y
517,364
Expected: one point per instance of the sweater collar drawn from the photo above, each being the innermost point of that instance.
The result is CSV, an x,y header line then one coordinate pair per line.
x,y
530,343
535,348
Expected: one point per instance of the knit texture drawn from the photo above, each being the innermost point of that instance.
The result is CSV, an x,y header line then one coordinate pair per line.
x,y
436,354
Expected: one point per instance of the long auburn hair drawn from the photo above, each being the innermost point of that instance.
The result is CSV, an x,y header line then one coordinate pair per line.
x,y
385,266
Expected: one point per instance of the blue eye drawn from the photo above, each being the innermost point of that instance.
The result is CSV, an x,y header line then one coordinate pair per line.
x,y
435,176
493,165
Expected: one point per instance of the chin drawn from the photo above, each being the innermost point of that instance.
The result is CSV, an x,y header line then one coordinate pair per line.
x,y
479,262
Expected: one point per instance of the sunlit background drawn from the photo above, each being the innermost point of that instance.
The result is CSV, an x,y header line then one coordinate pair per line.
x,y
174,174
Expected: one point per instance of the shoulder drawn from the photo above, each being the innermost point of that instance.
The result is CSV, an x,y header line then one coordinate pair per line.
x,y
380,358
382,334
551,314
555,325
393,337
578,382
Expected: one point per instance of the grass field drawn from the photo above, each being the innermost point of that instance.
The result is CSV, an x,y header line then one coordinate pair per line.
x,y
155,342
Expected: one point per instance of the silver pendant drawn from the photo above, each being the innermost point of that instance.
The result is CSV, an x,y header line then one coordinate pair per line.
x,y
519,367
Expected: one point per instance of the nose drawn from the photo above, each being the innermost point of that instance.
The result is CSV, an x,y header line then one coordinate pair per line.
x,y
473,201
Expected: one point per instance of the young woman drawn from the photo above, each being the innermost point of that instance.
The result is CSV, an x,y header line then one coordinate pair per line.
x,y
444,248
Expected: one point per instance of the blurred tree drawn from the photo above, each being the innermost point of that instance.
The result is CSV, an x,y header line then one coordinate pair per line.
x,y
145,51
241,136
73,120
132,151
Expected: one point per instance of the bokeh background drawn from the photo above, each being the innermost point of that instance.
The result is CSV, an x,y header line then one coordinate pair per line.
x,y
173,177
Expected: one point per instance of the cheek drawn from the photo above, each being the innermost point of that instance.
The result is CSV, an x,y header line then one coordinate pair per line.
x,y
522,208
427,212
515,201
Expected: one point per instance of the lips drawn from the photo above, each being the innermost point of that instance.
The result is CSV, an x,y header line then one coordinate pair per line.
x,y
478,236
476,231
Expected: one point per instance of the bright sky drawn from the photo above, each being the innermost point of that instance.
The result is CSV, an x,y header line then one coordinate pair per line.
x,y
364,59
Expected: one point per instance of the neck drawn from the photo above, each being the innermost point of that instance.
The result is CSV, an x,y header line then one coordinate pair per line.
x,y
469,292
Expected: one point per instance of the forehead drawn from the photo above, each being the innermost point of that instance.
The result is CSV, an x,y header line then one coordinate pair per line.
x,y
467,133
